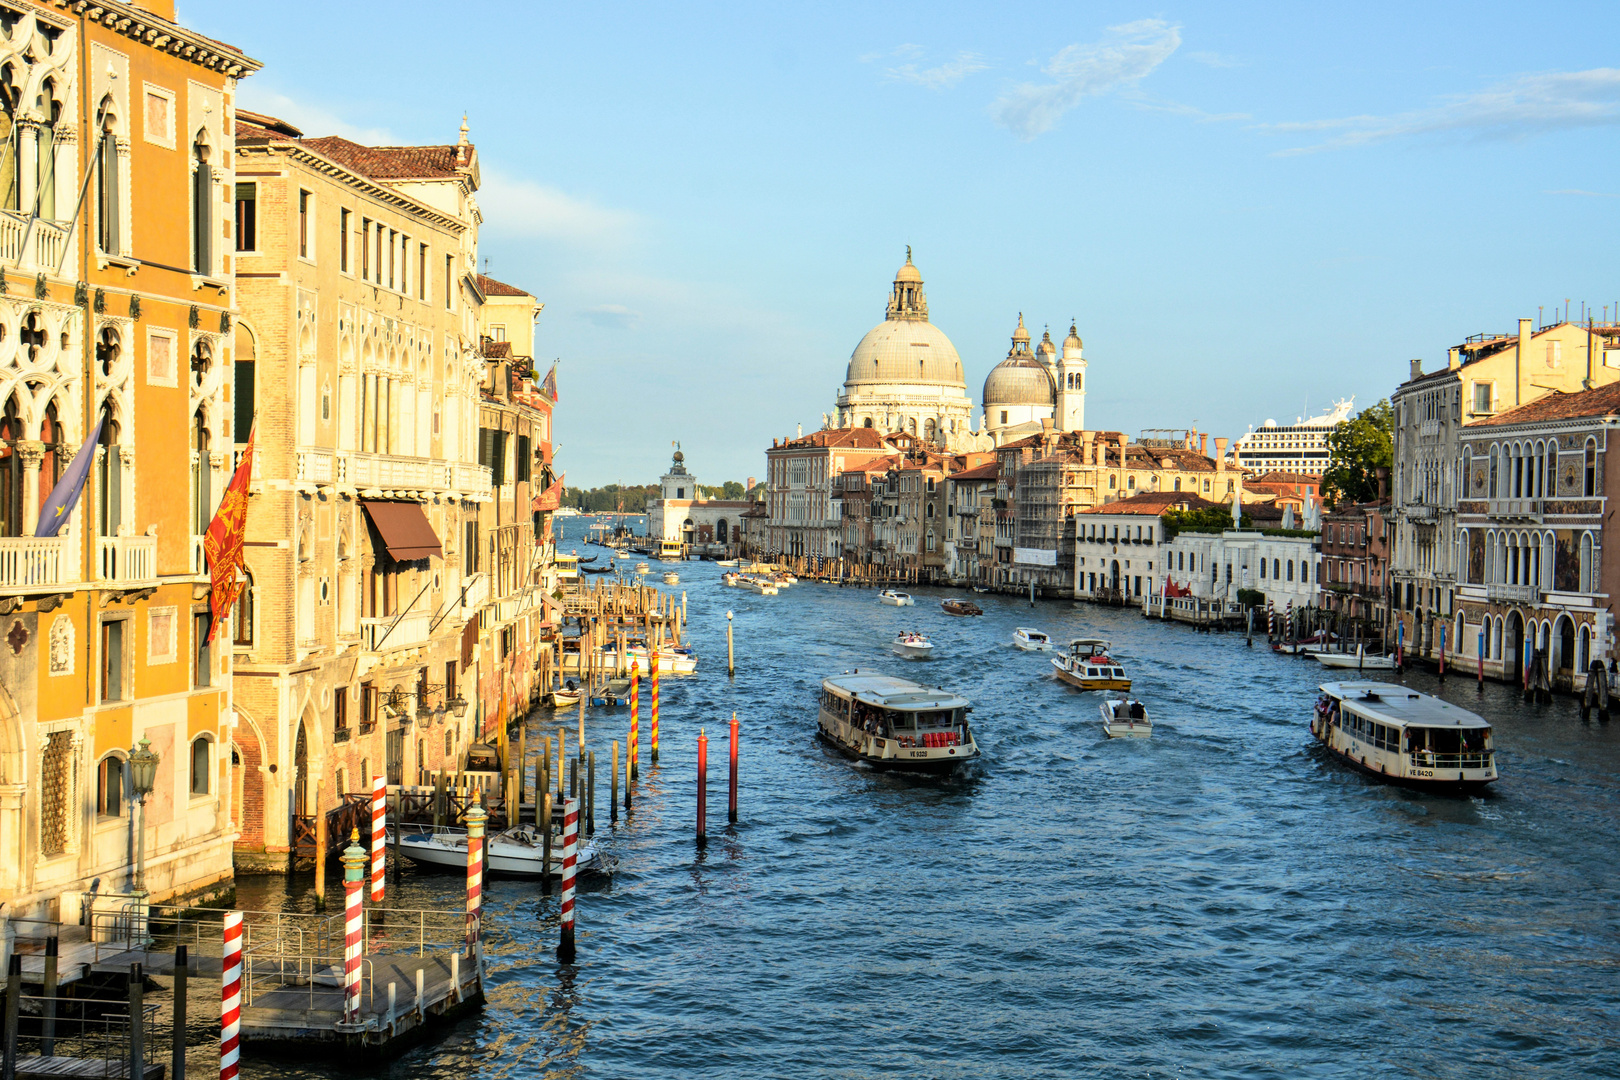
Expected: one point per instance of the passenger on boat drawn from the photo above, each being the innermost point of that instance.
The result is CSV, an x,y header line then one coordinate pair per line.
x,y
1137,712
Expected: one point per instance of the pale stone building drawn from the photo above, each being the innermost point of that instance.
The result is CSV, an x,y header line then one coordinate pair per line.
x,y
358,349
682,515
1028,388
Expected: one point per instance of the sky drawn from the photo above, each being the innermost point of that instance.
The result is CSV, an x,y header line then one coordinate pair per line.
x,y
1250,210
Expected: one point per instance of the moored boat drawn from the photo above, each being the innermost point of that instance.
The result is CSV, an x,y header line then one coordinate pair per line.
x,y
913,645
726,562
1358,660
1399,735
517,852
1031,640
896,599
958,606
564,696
1306,646
1088,666
1125,718
895,723
672,578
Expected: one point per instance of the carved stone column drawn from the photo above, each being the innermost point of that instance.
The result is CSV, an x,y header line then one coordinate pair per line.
x,y
32,452
27,166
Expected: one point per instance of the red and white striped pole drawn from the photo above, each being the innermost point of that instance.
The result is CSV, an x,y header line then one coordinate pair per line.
x,y
379,838
475,874
354,867
565,947
230,1004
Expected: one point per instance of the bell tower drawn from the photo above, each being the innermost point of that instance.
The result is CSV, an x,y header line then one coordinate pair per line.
x,y
678,483
1071,384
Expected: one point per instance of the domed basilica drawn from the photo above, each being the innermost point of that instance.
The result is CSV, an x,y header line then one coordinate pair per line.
x,y
906,376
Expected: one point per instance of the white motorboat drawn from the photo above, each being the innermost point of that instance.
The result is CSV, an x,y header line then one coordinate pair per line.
x,y
726,562
672,660
1125,719
762,586
1088,666
913,645
1357,661
1031,640
517,852
896,599
1399,735
564,696
672,578
894,723
642,568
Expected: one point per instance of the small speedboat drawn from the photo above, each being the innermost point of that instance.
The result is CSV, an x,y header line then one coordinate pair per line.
x,y
517,852
564,696
726,562
642,568
1031,640
1125,719
614,694
960,607
913,645
762,586
672,578
896,599
672,660
732,579
1358,660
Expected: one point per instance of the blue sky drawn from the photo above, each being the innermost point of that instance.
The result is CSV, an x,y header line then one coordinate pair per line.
x,y
1250,209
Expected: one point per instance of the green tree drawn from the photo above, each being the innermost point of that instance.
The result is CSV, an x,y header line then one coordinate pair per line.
x,y
730,491
1209,519
1357,449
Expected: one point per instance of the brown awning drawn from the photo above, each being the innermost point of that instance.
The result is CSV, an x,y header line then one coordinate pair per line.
x,y
404,528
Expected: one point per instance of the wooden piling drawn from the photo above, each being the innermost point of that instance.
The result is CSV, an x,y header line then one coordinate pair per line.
x,y
47,1026
8,1061
137,1021
731,657
590,794
544,808
177,1049
613,785
320,849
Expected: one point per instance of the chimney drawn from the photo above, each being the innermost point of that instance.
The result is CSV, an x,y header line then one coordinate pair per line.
x,y
1417,369
1220,456
1203,444
1383,482
1521,358
1453,361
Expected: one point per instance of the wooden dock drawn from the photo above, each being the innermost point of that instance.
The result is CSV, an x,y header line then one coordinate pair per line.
x,y
72,1068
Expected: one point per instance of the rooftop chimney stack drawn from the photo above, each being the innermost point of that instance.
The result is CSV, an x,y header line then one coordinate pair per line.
x,y
1417,369
1203,444
1453,359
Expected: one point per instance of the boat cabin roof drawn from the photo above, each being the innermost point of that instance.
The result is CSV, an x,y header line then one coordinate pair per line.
x,y
1391,703
1091,644
1027,632
888,692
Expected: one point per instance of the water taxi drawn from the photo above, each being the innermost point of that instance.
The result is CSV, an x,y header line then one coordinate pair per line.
x,y
671,550
1125,719
894,723
1405,737
1358,660
762,586
913,645
1031,640
567,566
896,599
1088,666
960,607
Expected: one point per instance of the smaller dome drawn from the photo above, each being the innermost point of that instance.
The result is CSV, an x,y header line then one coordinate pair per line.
x,y
1269,423
1021,334
1073,340
1046,348
679,457
1019,380
908,272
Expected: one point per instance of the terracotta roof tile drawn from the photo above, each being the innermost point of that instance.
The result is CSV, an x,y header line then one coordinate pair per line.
x,y
1601,401
391,162
1154,503
983,472
490,287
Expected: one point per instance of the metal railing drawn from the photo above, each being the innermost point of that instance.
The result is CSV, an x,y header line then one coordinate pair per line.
x,y
88,1029
412,629
1480,759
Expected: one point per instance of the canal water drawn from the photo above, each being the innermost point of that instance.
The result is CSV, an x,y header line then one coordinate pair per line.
x,y
1219,900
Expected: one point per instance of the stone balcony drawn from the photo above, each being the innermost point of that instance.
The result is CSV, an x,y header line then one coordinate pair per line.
x,y
412,629
127,560
32,247
321,466
37,564
1502,593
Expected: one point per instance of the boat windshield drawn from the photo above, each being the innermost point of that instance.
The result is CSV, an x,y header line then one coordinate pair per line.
x,y
1448,742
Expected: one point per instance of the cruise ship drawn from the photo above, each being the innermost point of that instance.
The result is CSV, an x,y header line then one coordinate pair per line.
x,y
1300,447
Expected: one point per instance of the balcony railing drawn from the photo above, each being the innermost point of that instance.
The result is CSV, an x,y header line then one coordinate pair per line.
x,y
411,630
44,242
35,564
321,465
1501,593
127,559
476,595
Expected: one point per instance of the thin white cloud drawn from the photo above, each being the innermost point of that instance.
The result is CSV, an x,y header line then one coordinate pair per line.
x,y
612,316
1215,59
1516,109
1588,194
1128,54
1175,108
890,54
941,77
312,120
524,208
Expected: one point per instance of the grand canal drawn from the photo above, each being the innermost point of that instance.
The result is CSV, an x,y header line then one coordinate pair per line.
x,y
1219,900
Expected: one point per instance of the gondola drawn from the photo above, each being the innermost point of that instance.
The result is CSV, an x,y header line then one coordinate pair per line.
x,y
608,569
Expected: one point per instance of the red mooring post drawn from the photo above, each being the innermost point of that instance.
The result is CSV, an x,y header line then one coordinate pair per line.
x,y
379,835
565,945
230,1000
354,863
703,787
731,807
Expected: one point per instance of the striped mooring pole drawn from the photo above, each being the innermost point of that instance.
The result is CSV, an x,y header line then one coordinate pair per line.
x,y
565,946
632,749
655,708
475,874
354,867
230,1001
379,835
702,788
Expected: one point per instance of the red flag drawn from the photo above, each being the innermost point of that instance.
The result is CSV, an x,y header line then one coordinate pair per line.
x,y
222,543
551,498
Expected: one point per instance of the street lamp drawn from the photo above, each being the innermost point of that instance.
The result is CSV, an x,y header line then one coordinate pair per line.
x,y
143,765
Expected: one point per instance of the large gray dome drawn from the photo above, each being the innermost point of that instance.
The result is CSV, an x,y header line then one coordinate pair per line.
x,y
905,348
1019,380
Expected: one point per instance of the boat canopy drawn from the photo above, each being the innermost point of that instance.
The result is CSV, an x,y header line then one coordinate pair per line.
x,y
1090,644
887,692
1391,703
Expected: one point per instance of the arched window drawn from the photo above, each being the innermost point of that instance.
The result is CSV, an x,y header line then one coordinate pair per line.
x,y
1130,482
1290,569
202,504
1583,649
1590,486
1552,470
201,760
110,481
51,110
867,422
110,786
1112,483
202,206
1467,469
1494,491
1586,563
720,531
108,182
1178,484
930,430
242,615
11,472
50,466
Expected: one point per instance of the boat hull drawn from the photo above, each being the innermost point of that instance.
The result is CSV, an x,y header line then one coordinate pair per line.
x,y
506,859
1080,682
1124,727
914,652
1031,646
886,753
904,601
1355,663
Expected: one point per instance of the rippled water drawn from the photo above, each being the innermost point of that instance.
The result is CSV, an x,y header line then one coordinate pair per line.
x,y
1219,900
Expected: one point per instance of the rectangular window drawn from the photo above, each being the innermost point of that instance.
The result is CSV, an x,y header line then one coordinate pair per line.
x,y
523,455
110,787
340,718
421,271
449,682
1482,397
343,240
365,249
303,224
202,650
449,283
405,265
469,549
112,660
368,713
379,252
247,217
392,246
